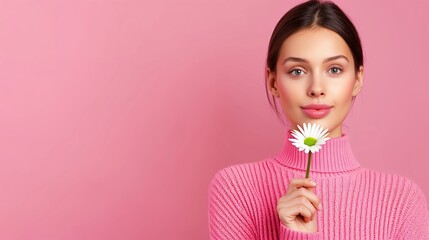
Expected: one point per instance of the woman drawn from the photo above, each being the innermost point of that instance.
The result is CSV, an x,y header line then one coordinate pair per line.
x,y
315,61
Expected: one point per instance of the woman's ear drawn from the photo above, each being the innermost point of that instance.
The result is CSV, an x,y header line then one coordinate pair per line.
x,y
272,83
358,82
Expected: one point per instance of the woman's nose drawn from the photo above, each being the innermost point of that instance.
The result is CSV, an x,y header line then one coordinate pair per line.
x,y
317,92
316,89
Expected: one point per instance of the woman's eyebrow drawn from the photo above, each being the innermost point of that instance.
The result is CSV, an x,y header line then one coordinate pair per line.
x,y
296,59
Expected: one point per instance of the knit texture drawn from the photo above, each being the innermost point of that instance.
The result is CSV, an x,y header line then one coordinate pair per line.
x,y
358,203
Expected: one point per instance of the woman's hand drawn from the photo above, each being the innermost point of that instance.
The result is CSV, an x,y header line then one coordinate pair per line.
x,y
298,208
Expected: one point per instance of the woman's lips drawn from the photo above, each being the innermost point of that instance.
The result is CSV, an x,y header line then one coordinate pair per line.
x,y
316,113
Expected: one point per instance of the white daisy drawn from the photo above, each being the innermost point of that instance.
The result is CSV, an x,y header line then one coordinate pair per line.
x,y
309,139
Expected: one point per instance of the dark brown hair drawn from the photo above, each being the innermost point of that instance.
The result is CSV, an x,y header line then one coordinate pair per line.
x,y
313,13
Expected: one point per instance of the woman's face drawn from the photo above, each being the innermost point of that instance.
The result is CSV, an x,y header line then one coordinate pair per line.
x,y
315,66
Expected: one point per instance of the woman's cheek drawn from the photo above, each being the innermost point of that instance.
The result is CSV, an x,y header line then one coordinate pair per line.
x,y
342,88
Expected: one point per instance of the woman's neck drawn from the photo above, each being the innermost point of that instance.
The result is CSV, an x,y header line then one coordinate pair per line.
x,y
335,157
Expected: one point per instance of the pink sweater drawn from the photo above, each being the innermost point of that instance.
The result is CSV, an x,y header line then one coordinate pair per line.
x,y
358,203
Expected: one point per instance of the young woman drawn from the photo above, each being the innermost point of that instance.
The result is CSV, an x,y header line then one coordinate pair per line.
x,y
315,61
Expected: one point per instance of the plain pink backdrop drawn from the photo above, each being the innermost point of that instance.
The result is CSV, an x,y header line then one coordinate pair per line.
x,y
115,115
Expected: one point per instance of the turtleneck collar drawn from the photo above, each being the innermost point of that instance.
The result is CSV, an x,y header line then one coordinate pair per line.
x,y
335,156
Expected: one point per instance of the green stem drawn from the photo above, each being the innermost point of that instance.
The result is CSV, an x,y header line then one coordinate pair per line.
x,y
307,173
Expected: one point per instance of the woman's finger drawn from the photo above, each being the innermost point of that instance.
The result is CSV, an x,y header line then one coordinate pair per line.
x,y
299,201
295,210
300,182
303,192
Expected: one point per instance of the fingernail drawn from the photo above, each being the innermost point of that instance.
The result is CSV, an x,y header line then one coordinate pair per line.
x,y
313,183
320,206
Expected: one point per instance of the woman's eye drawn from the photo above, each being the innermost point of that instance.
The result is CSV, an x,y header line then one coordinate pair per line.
x,y
296,72
335,70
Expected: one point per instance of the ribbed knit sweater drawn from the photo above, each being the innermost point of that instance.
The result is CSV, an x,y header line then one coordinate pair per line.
x,y
358,203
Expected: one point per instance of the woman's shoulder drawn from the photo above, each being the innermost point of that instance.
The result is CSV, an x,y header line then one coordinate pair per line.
x,y
240,174
402,198
238,171
394,181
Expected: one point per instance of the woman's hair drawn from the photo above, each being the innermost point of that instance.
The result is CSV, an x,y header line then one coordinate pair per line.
x,y
311,14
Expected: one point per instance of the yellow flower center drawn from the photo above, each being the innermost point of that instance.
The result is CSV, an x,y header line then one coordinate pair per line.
x,y
310,141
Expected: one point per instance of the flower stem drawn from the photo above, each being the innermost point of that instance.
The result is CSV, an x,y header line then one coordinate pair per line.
x,y
307,173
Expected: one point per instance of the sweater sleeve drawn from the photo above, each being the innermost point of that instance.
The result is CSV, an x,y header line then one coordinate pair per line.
x,y
231,213
228,216
416,217
286,233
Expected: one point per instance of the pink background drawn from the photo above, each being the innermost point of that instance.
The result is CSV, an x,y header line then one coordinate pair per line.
x,y
115,115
